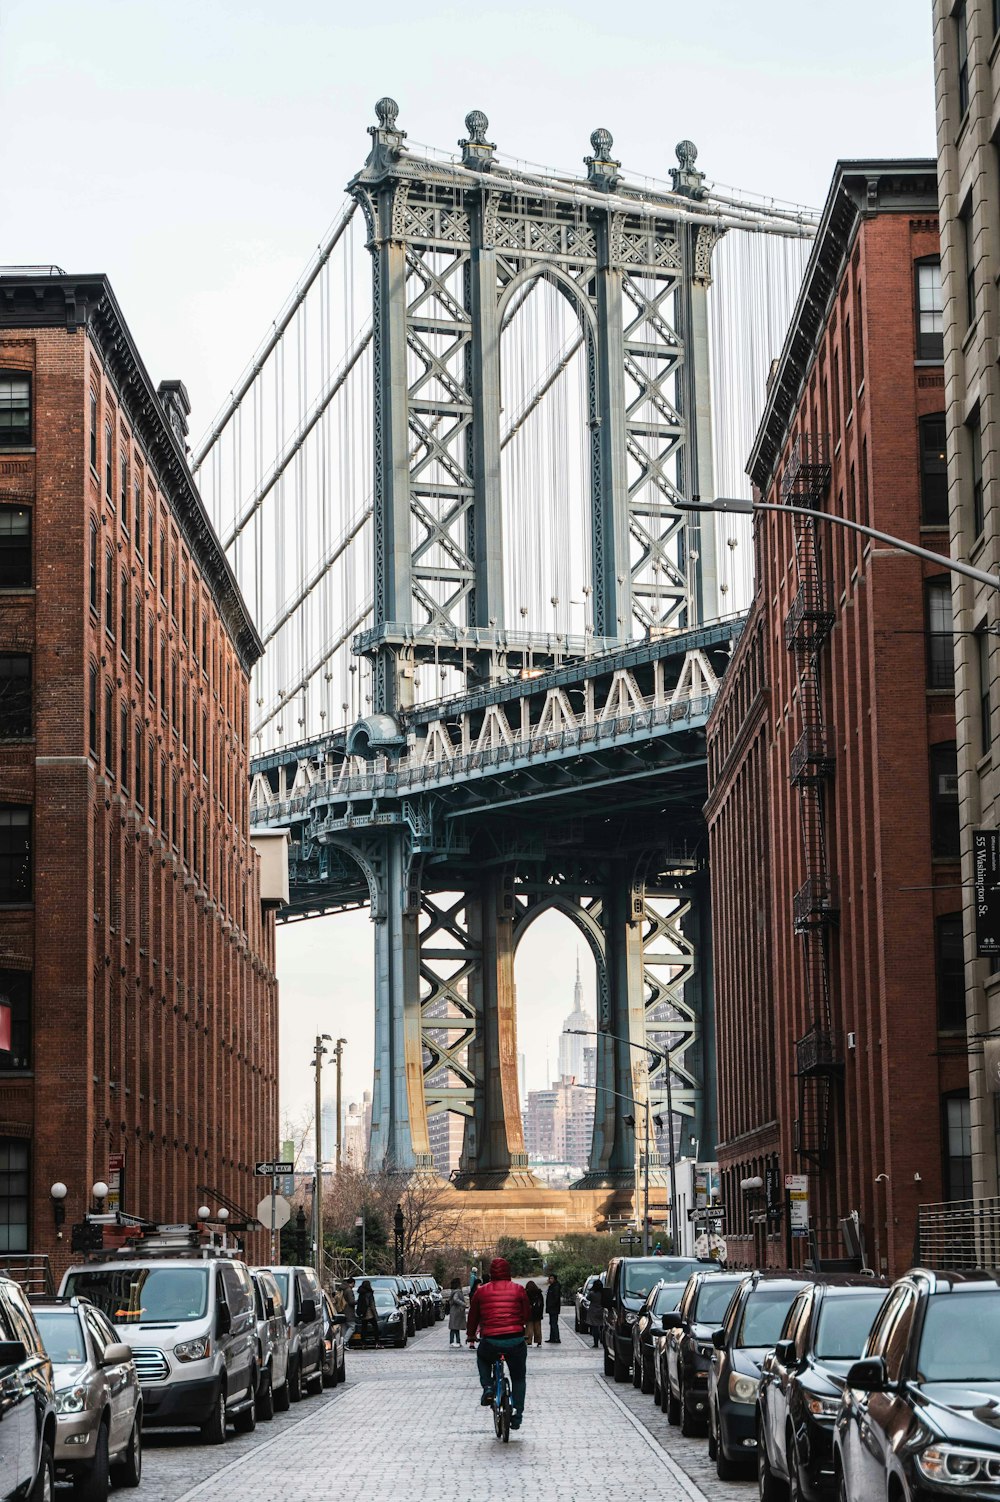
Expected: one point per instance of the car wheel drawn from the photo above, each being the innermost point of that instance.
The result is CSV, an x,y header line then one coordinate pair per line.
x,y
265,1398
44,1489
657,1389
213,1430
282,1396
726,1469
342,1369
674,1406
795,1492
609,1366
245,1422
315,1383
621,1368
646,1380
295,1388
636,1369
330,1375
94,1483
690,1426
713,1443
768,1486
400,1342
128,1471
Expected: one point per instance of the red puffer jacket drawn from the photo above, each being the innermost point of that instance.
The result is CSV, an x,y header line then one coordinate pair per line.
x,y
498,1307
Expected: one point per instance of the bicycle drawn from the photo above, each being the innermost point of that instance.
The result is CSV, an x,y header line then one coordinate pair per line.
x,y
501,1400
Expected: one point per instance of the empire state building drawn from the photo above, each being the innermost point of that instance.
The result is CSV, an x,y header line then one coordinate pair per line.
x,y
576,1053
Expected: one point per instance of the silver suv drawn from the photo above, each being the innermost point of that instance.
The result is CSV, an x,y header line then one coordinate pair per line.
x,y
272,1345
303,1301
98,1401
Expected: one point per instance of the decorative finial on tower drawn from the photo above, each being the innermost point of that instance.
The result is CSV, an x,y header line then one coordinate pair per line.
x,y
386,112
477,152
387,138
686,177
602,169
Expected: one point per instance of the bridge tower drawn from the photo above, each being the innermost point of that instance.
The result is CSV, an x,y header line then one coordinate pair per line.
x,y
454,245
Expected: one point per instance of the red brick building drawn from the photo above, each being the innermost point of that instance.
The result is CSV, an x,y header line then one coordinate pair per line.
x,y
833,811
136,958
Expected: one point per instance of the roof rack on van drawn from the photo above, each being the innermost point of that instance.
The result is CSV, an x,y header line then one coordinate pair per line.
x,y
127,1236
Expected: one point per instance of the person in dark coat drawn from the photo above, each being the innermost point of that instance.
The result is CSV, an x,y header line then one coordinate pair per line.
x,y
553,1304
367,1314
595,1309
536,1302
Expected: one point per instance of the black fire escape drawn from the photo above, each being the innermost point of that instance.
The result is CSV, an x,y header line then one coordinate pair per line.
x,y
811,763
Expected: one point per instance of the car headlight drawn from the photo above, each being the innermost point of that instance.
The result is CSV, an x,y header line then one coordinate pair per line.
x,y
71,1400
743,1389
956,1465
395,1317
823,1408
194,1350
630,1319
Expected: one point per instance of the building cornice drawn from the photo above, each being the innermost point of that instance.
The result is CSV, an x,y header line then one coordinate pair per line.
x,y
87,302
859,190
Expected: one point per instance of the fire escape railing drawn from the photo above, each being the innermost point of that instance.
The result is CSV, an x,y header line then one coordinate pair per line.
x,y
811,764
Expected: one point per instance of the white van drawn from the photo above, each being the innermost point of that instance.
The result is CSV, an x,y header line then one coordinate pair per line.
x,y
192,1327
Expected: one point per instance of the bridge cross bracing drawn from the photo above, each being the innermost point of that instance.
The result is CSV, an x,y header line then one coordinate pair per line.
x,y
448,484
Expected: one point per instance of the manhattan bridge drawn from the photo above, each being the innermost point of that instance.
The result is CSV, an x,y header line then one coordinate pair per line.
x,y
448,485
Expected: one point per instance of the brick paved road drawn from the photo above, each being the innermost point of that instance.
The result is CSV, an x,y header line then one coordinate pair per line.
x,y
407,1425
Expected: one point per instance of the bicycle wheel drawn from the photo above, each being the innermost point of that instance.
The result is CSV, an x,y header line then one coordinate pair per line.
x,y
505,1410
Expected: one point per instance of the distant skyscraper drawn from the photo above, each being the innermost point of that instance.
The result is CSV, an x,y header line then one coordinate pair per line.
x,y
573,1046
522,1080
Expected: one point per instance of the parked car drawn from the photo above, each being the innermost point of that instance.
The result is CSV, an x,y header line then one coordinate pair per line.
x,y
405,1297
581,1303
628,1281
27,1401
98,1400
919,1414
303,1303
684,1353
662,1299
272,1345
334,1366
752,1324
422,1302
192,1327
801,1384
391,1314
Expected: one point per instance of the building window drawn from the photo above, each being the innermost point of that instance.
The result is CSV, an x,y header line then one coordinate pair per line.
x,y
149,540
13,1195
930,311
848,368
93,566
109,592
944,801
184,605
173,814
150,651
957,1125
969,251
15,996
138,635
194,628
92,712
940,633
123,608
835,394
976,456
108,458
163,796
933,471
123,746
985,705
109,732
15,548
996,16
15,853
204,643
962,51
93,430
163,679
950,964
173,585
15,696
138,765
137,513
173,692
859,343
15,410
151,805
123,486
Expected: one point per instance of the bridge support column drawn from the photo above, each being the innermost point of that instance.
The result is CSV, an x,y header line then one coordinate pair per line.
x,y
399,1139
698,412
494,1154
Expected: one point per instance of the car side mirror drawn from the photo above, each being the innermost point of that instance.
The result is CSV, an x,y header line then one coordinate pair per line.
x,y
225,1324
719,1339
868,1376
785,1352
269,1307
672,1320
307,1311
116,1353
12,1353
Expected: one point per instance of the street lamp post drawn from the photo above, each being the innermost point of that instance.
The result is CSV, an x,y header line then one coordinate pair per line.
x,y
338,1053
743,507
657,1057
318,1051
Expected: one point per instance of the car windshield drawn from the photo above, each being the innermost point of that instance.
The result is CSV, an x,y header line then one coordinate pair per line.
x,y
844,1322
62,1336
961,1338
668,1298
763,1316
641,1276
144,1295
384,1298
714,1296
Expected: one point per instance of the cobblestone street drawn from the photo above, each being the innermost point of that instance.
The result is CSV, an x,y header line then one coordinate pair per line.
x,y
407,1424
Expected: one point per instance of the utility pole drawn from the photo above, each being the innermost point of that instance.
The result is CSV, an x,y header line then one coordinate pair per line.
x,y
318,1051
338,1054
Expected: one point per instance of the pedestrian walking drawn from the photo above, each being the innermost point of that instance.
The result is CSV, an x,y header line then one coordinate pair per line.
x,y
457,1310
536,1302
350,1310
595,1309
553,1303
473,1280
367,1314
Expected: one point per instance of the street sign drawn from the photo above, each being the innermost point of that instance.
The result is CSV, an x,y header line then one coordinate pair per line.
x,y
707,1212
282,1211
797,1189
269,1170
986,884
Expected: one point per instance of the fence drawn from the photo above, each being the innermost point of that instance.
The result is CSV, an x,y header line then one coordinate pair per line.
x,y
959,1234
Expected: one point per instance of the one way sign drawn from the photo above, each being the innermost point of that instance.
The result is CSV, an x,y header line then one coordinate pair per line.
x,y
272,1170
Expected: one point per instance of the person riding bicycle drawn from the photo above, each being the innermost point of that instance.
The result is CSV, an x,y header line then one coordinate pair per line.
x,y
499,1312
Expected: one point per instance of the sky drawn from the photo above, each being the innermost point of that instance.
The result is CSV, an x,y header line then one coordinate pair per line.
x,y
196,152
